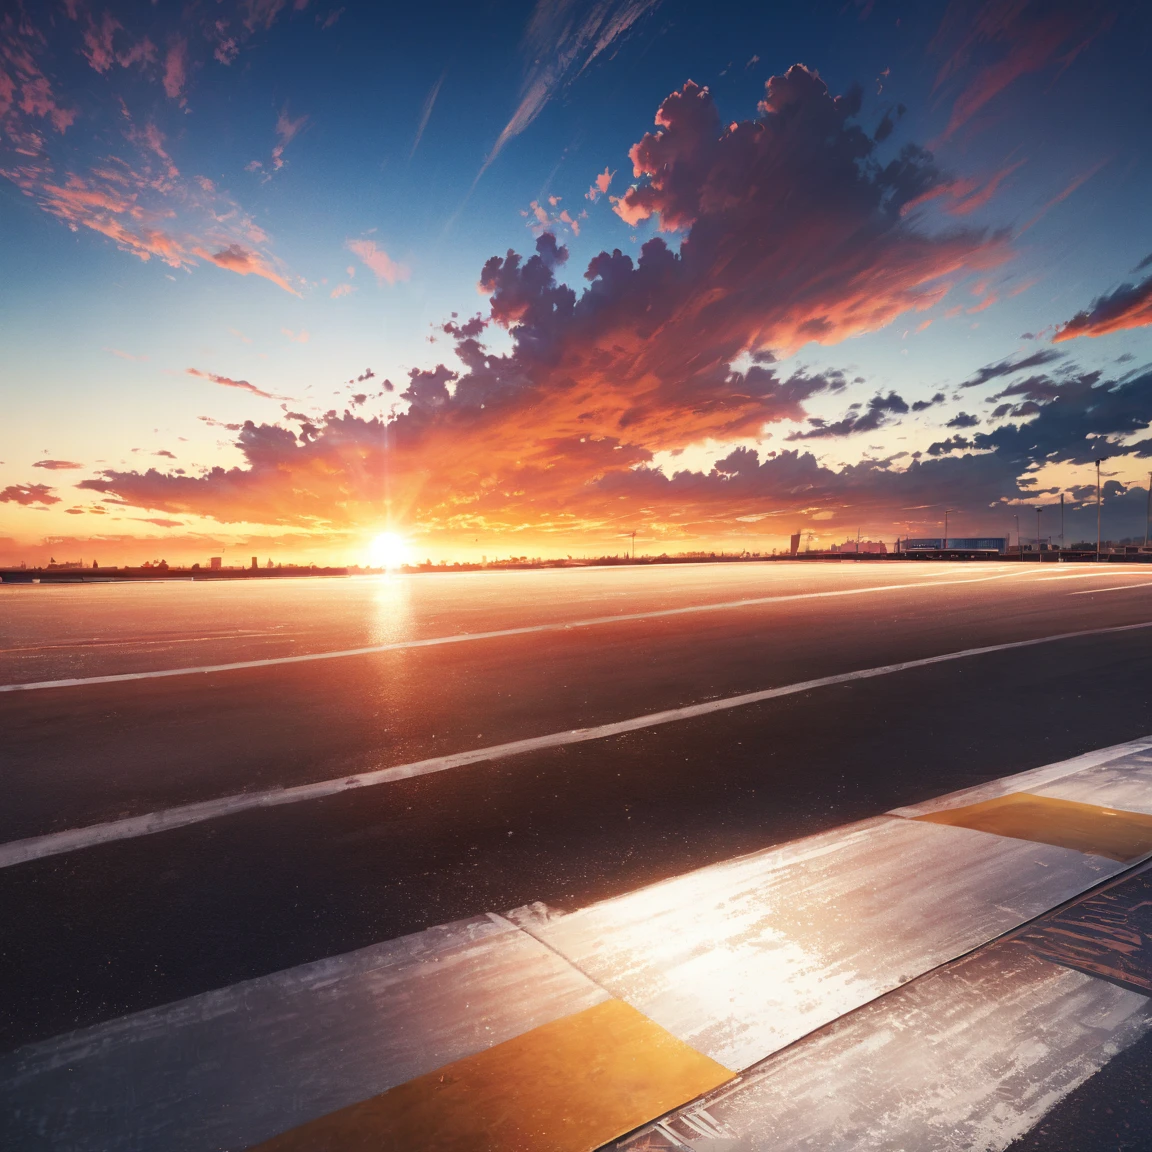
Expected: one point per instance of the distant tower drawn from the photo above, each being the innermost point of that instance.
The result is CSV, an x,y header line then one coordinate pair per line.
x,y
215,563
255,563
793,543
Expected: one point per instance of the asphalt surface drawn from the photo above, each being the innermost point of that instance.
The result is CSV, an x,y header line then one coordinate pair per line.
x,y
96,933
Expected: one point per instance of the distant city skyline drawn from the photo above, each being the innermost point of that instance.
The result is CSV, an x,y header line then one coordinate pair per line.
x,y
285,278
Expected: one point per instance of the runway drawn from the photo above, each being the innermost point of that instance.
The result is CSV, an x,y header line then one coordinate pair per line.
x,y
793,699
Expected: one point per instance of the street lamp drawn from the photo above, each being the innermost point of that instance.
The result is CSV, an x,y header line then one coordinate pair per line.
x,y
1019,544
1039,554
944,542
1098,463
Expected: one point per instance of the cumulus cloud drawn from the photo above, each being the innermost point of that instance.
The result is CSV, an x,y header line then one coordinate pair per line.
x,y
963,420
378,261
1129,306
28,494
790,231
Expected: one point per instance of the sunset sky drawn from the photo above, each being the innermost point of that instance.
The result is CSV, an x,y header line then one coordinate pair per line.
x,y
504,278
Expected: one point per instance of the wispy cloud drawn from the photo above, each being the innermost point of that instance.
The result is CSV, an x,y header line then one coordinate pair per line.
x,y
426,112
378,261
228,382
57,465
562,39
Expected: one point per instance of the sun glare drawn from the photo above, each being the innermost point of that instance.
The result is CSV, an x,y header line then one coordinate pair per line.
x,y
388,550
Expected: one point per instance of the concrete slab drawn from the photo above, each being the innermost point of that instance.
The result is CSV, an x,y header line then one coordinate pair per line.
x,y
230,1068
745,957
1132,755
970,1057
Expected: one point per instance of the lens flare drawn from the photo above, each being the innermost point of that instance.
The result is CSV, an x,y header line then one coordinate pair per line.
x,y
388,550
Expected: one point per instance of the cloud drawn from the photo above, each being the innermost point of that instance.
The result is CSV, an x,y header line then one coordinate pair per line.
x,y
600,186
1067,191
562,39
923,405
57,465
1009,366
993,44
426,111
874,416
790,232
342,290
28,494
286,130
1129,306
970,195
228,382
376,259
963,420
132,191
301,337
176,69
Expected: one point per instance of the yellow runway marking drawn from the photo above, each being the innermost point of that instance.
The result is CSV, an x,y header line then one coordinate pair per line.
x,y
1110,832
568,1086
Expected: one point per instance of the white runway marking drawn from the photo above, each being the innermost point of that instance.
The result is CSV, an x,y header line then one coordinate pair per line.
x,y
1089,575
463,637
55,843
1121,588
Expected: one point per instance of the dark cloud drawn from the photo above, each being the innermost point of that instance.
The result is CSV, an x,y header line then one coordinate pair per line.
x,y
1008,366
28,494
874,416
923,405
954,444
1130,306
963,420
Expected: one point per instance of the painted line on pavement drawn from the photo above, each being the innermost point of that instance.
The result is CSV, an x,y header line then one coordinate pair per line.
x,y
1121,588
55,843
496,634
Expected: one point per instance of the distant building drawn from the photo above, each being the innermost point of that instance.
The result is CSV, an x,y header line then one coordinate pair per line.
x,y
793,543
215,563
857,547
956,544
255,563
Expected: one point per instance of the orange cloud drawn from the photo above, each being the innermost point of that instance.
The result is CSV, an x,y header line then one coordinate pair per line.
x,y
1129,306
57,465
378,261
787,239
228,382
28,494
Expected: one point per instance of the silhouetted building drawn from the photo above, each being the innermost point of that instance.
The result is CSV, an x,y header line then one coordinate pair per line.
x,y
793,543
215,563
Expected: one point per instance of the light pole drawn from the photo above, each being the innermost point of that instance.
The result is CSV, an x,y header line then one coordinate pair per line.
x,y
944,542
1148,515
1039,554
1062,543
1019,545
1098,463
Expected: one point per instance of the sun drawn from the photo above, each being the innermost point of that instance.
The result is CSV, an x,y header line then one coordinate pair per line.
x,y
388,550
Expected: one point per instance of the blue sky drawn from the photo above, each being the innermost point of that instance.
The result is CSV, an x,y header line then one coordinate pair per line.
x,y
316,190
